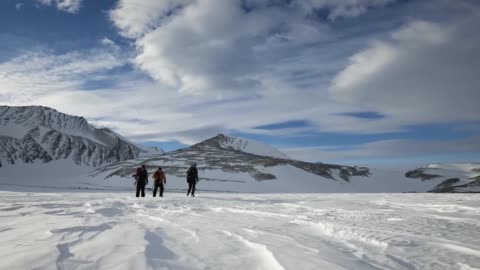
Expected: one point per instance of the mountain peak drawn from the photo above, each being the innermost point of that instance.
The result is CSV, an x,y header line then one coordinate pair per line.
x,y
249,146
45,134
220,136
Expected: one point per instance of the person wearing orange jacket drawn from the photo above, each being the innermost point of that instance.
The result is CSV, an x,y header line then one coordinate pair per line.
x,y
159,179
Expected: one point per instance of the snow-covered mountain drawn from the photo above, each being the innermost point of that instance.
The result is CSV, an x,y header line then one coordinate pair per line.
x,y
248,146
42,147
36,134
228,164
449,177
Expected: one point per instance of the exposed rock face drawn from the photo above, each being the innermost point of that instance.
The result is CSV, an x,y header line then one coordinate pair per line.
x,y
420,174
452,177
212,154
38,134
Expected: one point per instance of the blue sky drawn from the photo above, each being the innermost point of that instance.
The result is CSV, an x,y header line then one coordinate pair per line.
x,y
357,82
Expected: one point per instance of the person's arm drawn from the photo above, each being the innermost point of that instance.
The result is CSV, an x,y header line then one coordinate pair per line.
x,y
196,175
164,178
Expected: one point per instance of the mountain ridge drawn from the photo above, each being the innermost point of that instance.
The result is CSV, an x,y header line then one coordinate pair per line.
x,y
31,134
61,150
219,164
449,177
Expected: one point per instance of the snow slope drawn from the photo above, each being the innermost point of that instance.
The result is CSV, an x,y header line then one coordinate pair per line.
x,y
449,177
75,230
31,134
229,170
249,146
226,169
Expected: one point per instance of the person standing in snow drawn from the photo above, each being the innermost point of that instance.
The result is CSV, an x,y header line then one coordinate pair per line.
x,y
159,180
136,176
141,177
192,179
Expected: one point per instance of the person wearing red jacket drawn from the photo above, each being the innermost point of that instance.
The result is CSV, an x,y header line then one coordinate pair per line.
x,y
159,180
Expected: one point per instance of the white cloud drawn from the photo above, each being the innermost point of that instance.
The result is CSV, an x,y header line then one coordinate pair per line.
x,y
19,6
343,8
135,18
238,67
223,46
71,6
426,72
27,77
387,149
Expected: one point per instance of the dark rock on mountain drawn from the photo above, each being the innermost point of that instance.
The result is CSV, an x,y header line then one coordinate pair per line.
x,y
39,134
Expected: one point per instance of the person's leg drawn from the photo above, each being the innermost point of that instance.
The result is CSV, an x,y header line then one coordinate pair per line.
x,y
193,188
189,188
162,188
143,190
137,194
155,189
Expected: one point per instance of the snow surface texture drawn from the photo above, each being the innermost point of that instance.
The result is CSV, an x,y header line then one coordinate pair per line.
x,y
219,231
35,134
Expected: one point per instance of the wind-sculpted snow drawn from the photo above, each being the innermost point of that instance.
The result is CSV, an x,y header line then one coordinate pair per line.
x,y
220,231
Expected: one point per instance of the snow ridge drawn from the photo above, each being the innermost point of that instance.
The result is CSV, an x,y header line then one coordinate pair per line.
x,y
219,231
224,167
30,134
249,146
449,177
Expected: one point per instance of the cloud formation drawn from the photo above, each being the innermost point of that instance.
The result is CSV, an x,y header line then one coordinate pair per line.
x,y
220,46
425,72
28,77
388,149
71,6
192,69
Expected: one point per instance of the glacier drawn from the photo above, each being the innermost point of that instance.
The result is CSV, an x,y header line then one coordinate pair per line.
x,y
61,229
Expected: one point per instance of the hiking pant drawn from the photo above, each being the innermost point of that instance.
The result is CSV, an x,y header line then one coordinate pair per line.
x,y
157,186
140,187
191,187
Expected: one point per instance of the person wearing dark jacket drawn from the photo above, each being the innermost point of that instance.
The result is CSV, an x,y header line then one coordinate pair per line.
x,y
159,180
192,179
141,177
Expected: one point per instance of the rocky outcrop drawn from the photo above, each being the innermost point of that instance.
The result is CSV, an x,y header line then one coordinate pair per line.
x,y
38,134
212,154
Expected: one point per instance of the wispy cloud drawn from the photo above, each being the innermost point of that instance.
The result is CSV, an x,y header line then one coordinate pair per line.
x,y
198,46
387,149
191,69
425,71
71,6
30,76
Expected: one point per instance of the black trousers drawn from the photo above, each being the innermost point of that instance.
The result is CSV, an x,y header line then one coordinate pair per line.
x,y
191,187
140,189
157,186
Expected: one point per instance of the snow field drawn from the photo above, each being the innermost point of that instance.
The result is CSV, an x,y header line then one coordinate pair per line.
x,y
101,230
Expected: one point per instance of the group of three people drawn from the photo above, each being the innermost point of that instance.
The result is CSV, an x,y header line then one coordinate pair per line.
x,y
159,180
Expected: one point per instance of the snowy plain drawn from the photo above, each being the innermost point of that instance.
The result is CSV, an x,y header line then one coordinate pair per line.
x,y
61,229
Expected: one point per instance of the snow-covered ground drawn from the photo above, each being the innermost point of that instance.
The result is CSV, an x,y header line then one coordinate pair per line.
x,y
102,230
